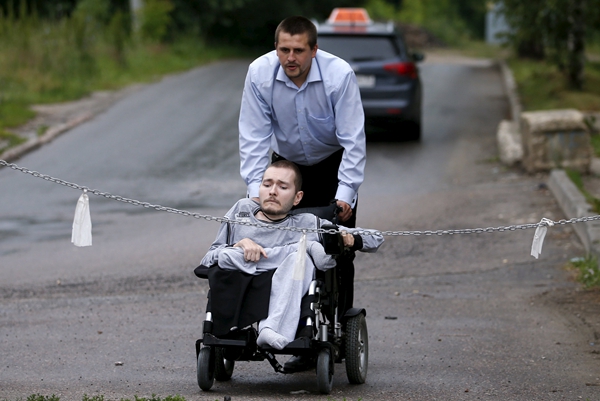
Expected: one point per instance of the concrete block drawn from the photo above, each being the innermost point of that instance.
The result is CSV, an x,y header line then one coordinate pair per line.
x,y
555,139
595,166
510,144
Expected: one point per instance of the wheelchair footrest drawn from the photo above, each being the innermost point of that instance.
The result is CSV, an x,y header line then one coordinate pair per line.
x,y
302,343
209,339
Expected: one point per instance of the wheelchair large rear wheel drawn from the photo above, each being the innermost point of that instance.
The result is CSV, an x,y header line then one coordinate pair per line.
x,y
223,367
206,368
357,349
325,371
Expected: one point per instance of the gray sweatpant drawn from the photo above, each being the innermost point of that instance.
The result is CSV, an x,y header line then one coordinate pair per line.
x,y
289,284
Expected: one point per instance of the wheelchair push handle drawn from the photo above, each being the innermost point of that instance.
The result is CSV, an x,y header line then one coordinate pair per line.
x,y
336,214
332,242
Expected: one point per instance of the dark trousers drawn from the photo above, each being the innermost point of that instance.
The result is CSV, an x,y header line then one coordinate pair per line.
x,y
319,184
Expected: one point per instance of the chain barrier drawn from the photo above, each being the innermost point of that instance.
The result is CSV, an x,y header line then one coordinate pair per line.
x,y
543,223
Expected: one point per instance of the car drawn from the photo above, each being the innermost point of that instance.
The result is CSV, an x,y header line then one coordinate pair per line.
x,y
386,71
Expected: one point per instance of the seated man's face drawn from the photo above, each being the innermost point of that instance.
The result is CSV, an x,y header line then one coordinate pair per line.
x,y
277,193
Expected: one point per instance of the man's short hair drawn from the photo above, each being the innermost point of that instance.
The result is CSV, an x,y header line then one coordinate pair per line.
x,y
290,166
298,25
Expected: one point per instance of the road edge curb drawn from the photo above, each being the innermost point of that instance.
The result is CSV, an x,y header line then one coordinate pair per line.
x,y
574,205
570,199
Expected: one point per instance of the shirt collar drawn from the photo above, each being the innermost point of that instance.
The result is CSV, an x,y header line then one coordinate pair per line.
x,y
314,75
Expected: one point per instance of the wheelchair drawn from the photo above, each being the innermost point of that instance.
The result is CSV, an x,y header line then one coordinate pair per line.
x,y
328,332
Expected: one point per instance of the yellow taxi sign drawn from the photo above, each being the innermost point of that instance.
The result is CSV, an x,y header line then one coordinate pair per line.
x,y
349,16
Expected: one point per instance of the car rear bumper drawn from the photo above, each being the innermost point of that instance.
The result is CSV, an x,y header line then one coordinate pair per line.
x,y
393,108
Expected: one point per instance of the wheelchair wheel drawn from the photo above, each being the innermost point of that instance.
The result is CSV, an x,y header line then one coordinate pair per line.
x,y
325,371
206,368
223,367
357,349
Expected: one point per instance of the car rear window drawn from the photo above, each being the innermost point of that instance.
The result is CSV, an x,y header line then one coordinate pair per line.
x,y
359,48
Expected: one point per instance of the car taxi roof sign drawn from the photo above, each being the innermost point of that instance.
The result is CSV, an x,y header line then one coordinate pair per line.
x,y
349,16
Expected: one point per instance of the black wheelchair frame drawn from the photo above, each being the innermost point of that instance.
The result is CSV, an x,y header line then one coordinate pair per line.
x,y
330,335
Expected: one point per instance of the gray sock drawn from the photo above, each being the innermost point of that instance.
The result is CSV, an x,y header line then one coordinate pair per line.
x,y
271,338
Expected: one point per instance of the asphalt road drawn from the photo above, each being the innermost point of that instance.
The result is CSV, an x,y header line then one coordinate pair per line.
x,y
450,317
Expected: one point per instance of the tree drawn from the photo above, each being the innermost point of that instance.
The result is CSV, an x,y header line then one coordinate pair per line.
x,y
250,23
554,30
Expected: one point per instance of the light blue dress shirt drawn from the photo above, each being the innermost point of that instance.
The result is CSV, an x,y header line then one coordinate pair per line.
x,y
304,125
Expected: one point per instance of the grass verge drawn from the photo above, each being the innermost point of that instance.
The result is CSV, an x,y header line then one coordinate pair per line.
x,y
540,84
543,87
145,63
587,271
52,61
576,178
9,140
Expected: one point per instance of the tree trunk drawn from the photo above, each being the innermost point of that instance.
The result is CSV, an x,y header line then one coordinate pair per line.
x,y
531,48
577,45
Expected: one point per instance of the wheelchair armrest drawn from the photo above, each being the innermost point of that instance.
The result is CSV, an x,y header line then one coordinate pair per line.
x,y
201,271
333,243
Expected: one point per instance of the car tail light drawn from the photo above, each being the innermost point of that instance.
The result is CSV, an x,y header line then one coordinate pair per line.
x,y
407,69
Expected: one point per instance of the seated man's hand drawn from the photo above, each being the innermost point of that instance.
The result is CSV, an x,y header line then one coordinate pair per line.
x,y
252,251
348,239
346,212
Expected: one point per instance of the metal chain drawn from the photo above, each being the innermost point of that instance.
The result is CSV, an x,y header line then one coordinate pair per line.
x,y
299,229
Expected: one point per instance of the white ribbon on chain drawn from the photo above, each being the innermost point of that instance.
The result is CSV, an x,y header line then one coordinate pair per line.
x,y
300,263
81,234
538,237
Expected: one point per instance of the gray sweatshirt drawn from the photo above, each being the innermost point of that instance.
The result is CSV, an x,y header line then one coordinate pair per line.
x,y
272,239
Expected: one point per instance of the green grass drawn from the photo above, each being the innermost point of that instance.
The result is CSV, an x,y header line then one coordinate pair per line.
x,y
9,140
587,271
542,86
576,178
50,62
595,139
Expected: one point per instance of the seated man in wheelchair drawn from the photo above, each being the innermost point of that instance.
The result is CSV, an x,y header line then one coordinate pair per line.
x,y
293,254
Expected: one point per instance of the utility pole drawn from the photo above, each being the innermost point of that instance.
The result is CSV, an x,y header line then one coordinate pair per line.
x,y
134,7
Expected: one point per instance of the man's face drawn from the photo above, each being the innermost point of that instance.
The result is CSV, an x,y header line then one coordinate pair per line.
x,y
295,56
277,193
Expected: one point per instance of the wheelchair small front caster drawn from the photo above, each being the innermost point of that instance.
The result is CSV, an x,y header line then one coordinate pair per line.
x,y
325,371
206,368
